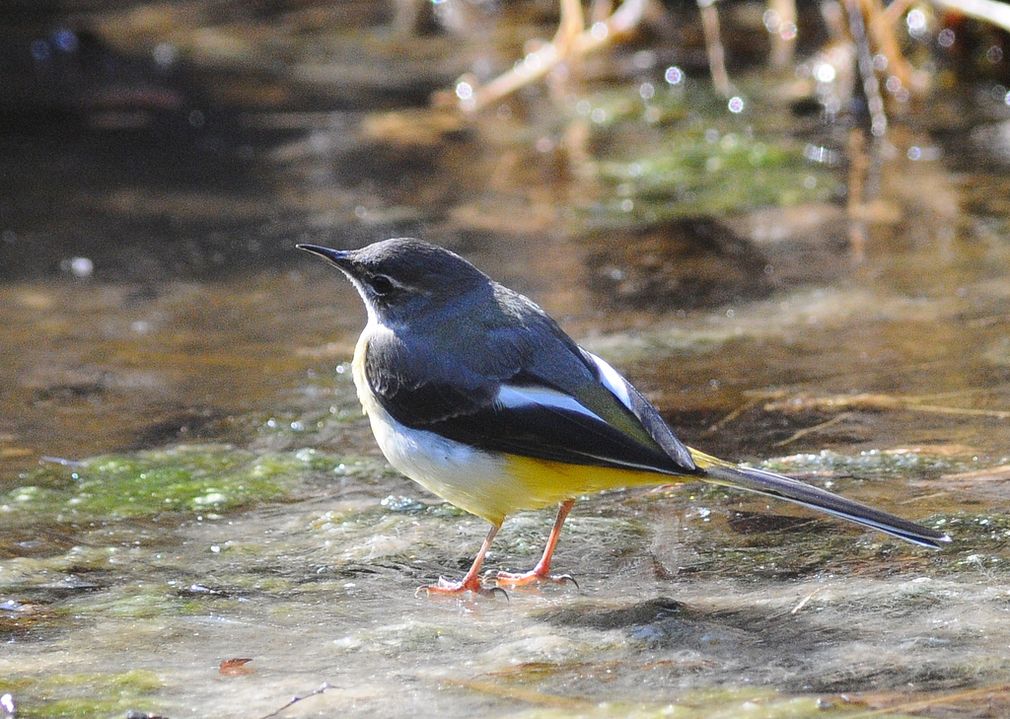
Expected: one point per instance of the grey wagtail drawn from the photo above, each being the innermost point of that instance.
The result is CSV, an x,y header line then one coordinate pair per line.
x,y
475,393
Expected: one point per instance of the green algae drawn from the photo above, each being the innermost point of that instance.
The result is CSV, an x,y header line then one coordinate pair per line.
x,y
85,695
977,530
700,158
696,172
187,478
139,601
724,703
615,107
876,463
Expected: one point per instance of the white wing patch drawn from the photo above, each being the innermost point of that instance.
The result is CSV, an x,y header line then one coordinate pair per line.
x,y
527,397
612,380
519,397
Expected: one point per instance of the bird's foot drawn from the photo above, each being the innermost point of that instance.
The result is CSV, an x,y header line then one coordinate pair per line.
x,y
534,576
448,588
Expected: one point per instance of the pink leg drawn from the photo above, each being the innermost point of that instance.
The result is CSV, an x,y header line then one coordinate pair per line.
x,y
469,583
542,572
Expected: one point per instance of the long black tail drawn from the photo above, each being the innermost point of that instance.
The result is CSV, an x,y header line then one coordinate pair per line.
x,y
779,486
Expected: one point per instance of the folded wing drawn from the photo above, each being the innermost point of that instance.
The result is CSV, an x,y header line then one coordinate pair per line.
x,y
551,400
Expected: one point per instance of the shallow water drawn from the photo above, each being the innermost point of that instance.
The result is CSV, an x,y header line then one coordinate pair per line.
x,y
185,476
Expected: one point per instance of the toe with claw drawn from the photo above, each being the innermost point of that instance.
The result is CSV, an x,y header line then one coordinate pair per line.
x,y
524,579
449,588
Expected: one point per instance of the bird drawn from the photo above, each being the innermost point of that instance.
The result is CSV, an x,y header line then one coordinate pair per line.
x,y
477,394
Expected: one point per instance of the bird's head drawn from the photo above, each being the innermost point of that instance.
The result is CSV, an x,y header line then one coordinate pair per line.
x,y
403,279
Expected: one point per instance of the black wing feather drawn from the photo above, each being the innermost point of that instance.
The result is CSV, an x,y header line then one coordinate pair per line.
x,y
453,391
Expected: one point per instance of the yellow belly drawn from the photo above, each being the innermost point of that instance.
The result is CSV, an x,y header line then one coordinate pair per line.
x,y
545,482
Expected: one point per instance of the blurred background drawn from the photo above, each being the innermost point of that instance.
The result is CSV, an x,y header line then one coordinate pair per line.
x,y
787,223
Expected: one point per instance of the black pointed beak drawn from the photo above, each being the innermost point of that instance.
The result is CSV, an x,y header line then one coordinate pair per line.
x,y
340,258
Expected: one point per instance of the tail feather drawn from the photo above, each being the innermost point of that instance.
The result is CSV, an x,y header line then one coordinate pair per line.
x,y
760,481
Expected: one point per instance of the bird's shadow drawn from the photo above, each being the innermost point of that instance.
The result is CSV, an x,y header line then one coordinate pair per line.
x,y
729,639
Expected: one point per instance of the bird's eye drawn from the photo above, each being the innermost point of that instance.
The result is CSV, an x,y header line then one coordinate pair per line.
x,y
382,285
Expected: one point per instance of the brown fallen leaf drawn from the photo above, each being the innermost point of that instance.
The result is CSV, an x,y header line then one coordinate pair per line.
x,y
235,667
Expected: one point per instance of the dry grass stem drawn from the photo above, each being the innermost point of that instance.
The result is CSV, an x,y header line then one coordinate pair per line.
x,y
783,37
567,44
803,602
991,11
714,47
882,30
712,429
874,402
807,430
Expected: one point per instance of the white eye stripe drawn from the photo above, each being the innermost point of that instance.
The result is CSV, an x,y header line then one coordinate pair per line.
x,y
612,380
392,280
383,284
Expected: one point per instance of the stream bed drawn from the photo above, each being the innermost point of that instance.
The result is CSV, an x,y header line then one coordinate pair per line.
x,y
186,479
